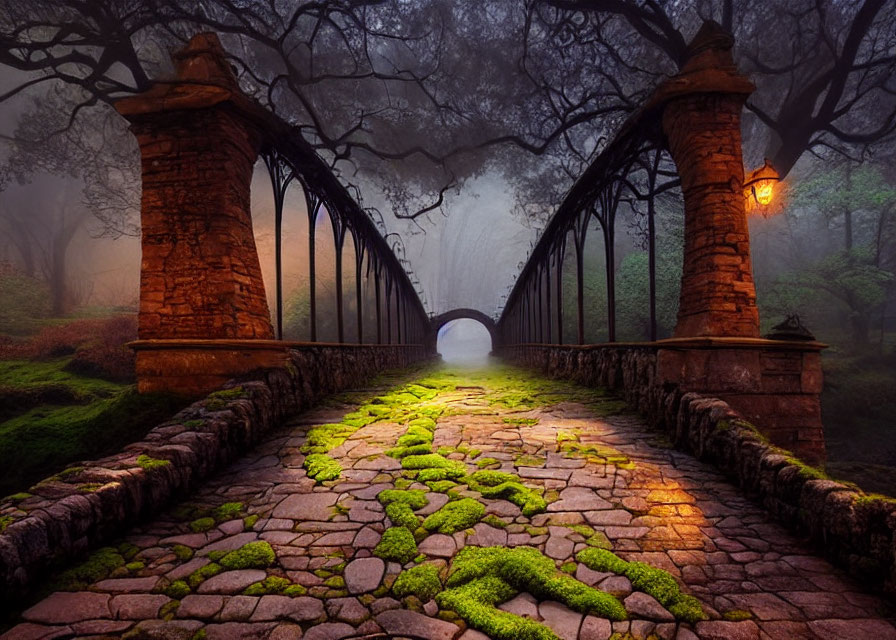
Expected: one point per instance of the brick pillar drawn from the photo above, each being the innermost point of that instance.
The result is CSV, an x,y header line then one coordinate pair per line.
x,y
200,276
701,120
717,350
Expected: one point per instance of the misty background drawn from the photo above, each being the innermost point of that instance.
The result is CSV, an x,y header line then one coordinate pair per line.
x,y
460,126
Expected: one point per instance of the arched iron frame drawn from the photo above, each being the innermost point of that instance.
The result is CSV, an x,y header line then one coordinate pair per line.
x,y
289,159
639,148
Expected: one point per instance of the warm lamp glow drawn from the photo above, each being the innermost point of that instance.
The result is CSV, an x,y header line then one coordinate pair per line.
x,y
759,187
763,192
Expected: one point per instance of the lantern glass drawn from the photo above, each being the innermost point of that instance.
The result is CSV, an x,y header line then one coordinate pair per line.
x,y
764,191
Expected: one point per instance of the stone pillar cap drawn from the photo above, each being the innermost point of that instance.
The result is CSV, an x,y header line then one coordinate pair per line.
x,y
709,68
203,79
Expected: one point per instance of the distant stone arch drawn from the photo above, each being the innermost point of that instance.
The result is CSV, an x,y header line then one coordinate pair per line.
x,y
436,323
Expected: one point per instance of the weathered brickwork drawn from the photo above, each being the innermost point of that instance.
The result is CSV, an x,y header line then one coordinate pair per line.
x,y
718,297
200,275
62,518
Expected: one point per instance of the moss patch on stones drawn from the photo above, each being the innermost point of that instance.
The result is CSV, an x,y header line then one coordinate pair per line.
x,y
397,544
483,577
421,581
252,555
455,516
497,484
322,467
653,581
436,467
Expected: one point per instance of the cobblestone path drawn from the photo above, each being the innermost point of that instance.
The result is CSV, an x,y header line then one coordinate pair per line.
x,y
495,459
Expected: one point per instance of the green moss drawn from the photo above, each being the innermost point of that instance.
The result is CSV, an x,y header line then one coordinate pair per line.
x,y
193,424
170,608
736,615
228,511
201,525
529,461
494,521
414,498
401,515
272,585
322,467
567,436
439,486
200,634
445,451
497,484
597,453
203,573
452,468
218,400
135,566
486,462
249,522
99,420
421,581
335,582
146,462
414,439
422,423
178,590
483,577
326,437
600,540
474,453
569,567
397,544
98,566
402,483
5,521
294,590
252,555
18,497
182,552
651,580
521,421
415,450
455,516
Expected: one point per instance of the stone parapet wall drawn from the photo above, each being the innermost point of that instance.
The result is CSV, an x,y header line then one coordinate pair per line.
x,y
852,528
91,503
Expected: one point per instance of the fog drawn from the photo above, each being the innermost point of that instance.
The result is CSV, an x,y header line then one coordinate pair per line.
x,y
464,342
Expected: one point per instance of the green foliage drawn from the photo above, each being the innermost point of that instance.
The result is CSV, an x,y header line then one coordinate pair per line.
x,y
322,467
651,580
88,418
496,484
455,516
632,294
252,555
397,544
421,581
415,450
486,462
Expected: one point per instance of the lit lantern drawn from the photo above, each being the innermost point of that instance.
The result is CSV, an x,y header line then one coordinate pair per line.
x,y
759,188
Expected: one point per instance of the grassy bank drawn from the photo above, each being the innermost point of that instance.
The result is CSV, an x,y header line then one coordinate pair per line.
x,y
51,418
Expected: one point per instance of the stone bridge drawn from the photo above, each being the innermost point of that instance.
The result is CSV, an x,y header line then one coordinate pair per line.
x,y
639,490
